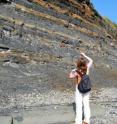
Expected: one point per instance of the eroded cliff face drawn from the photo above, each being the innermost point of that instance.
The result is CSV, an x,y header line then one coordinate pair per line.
x,y
39,43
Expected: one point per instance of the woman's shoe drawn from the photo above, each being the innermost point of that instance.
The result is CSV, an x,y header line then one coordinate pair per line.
x,y
73,123
85,123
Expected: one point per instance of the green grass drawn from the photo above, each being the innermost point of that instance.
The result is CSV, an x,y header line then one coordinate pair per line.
x,y
114,25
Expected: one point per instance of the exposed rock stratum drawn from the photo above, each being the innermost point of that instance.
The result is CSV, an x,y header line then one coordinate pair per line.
x,y
39,42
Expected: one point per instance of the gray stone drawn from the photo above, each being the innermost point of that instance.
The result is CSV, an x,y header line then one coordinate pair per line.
x,y
5,120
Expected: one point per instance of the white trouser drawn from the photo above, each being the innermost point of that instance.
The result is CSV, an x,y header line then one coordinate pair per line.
x,y
82,103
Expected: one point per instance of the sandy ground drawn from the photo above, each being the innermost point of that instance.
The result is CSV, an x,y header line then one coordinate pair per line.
x,y
60,114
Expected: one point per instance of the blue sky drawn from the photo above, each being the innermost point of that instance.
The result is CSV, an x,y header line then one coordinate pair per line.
x,y
106,8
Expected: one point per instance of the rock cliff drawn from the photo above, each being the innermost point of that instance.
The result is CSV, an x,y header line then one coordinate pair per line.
x,y
39,42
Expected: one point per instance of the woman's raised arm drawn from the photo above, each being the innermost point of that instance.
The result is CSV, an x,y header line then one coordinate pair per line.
x,y
90,61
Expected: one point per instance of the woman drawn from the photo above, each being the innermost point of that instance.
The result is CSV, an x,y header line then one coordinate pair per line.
x,y
82,99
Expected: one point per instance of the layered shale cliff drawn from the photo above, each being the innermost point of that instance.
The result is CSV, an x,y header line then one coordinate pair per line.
x,y
39,42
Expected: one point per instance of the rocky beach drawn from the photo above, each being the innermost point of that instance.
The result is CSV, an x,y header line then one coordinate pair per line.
x,y
40,40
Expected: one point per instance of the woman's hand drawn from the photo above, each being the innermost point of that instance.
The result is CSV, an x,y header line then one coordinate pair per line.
x,y
73,74
76,78
83,54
